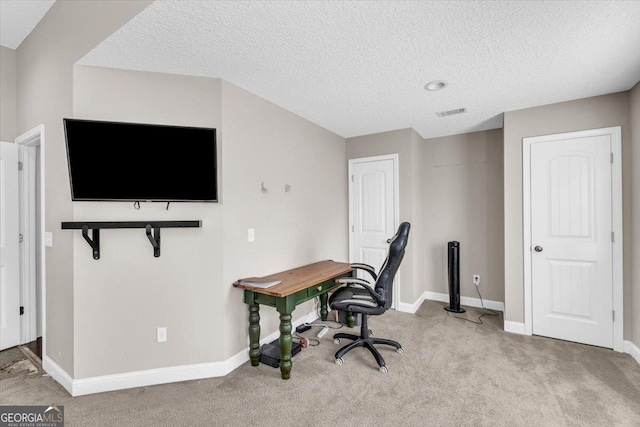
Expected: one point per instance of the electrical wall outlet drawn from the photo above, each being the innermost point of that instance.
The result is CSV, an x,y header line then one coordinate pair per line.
x,y
476,279
161,334
251,235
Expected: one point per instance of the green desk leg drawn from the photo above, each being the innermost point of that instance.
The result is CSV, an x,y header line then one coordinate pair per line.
x,y
285,307
351,319
254,334
323,306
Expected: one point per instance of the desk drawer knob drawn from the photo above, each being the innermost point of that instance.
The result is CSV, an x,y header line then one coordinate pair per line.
x,y
319,288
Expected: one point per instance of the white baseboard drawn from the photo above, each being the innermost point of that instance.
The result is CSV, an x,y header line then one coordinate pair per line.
x,y
633,350
58,374
237,360
518,328
436,296
514,327
147,377
83,386
411,308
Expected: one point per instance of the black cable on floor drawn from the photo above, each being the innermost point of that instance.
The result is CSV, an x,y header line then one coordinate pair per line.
x,y
479,322
324,324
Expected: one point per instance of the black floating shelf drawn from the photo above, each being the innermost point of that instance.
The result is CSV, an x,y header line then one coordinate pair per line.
x,y
154,237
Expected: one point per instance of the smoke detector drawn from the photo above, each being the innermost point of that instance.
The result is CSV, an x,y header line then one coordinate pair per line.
x,y
451,112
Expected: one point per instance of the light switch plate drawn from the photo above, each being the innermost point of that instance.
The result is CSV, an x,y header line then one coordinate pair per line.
x,y
162,334
251,235
48,239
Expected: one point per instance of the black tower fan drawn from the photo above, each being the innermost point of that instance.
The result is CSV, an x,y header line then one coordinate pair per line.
x,y
454,278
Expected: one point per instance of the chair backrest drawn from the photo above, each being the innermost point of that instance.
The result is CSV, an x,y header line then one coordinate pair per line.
x,y
384,284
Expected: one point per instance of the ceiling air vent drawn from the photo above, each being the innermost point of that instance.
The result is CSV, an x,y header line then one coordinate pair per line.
x,y
451,112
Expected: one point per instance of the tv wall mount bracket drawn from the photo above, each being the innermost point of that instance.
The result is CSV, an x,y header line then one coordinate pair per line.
x,y
152,230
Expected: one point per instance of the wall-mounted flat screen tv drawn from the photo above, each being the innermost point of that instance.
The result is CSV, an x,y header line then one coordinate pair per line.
x,y
111,161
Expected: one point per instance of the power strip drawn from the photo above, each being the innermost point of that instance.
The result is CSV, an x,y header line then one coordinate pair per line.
x,y
323,331
302,328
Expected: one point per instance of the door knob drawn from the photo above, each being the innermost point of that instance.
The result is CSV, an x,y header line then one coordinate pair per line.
x,y
538,249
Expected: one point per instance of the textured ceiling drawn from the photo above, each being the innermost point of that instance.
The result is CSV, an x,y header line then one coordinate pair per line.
x,y
360,67
19,18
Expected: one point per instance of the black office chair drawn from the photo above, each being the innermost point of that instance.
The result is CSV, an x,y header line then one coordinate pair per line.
x,y
359,297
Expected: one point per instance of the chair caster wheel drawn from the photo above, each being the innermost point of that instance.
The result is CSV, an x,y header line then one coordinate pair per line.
x,y
339,361
336,340
400,350
384,369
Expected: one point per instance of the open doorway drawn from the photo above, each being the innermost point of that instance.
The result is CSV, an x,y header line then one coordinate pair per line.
x,y
31,226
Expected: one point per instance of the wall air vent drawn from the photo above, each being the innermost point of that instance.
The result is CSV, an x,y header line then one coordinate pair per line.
x,y
451,112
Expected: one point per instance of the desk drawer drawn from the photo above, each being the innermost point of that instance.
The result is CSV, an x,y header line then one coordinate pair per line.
x,y
320,289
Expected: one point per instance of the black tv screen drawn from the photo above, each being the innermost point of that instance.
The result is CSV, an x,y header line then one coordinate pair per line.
x,y
111,161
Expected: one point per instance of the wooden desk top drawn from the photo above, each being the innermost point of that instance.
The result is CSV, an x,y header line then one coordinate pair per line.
x,y
299,278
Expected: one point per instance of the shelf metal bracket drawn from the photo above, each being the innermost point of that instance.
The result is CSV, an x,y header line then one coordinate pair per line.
x,y
152,229
154,239
94,241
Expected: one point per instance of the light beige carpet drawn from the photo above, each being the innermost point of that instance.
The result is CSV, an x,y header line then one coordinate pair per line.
x,y
453,373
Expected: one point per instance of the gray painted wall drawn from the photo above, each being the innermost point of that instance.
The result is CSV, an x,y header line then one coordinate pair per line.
x,y
590,113
182,289
265,143
44,96
7,94
462,199
418,243
188,289
450,189
634,109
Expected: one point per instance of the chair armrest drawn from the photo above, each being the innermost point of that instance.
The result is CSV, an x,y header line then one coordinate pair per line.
x,y
352,281
367,268
363,284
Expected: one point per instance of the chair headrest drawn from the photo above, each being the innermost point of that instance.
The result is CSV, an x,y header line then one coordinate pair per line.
x,y
399,241
402,236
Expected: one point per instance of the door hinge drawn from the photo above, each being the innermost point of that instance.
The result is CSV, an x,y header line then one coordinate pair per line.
x,y
19,166
351,178
21,310
352,229
614,315
611,157
21,238
613,237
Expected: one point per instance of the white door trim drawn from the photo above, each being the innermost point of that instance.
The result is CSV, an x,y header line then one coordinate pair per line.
x,y
33,138
396,207
616,199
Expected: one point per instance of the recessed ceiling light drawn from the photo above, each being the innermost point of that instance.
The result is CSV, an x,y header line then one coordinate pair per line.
x,y
436,85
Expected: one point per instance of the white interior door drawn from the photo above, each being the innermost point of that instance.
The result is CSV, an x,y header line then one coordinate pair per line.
x,y
9,247
373,200
571,239
28,211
